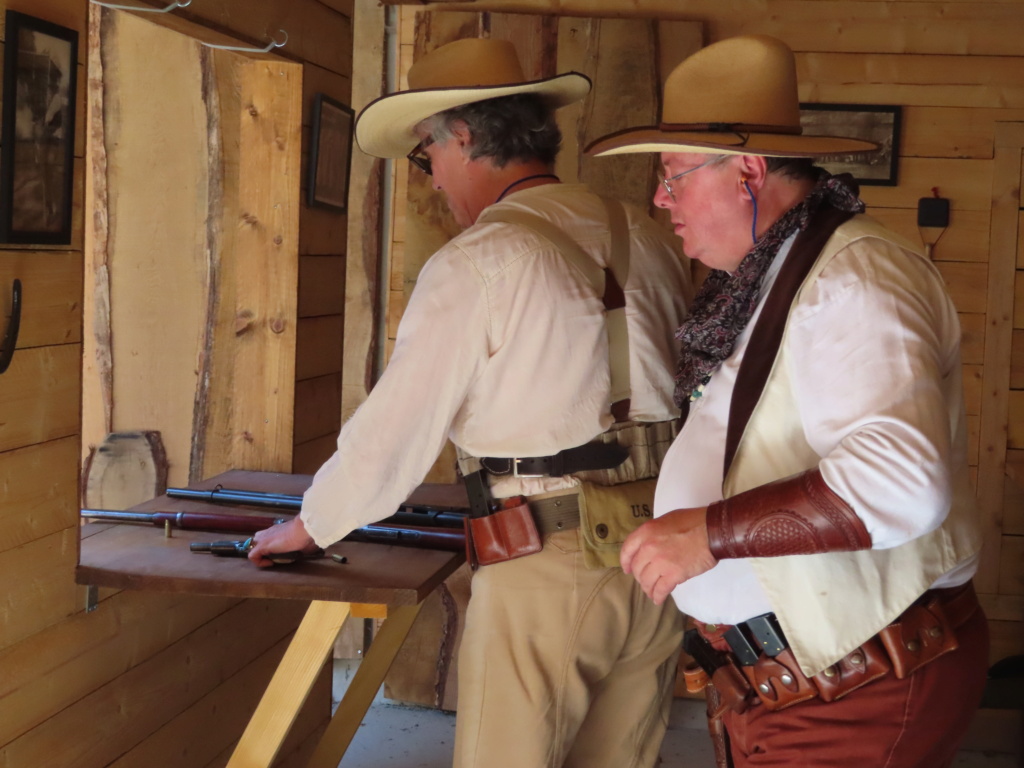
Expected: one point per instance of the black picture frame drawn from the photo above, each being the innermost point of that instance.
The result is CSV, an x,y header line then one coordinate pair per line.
x,y
330,153
879,123
37,131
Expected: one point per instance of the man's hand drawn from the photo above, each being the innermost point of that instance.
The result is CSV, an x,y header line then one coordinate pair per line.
x,y
664,552
283,537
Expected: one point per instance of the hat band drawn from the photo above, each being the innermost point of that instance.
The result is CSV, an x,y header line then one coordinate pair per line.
x,y
790,130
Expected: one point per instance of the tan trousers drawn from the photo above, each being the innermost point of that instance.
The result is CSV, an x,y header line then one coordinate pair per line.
x,y
561,666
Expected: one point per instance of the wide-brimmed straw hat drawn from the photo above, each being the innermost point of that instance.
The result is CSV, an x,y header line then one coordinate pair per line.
x,y
737,96
451,76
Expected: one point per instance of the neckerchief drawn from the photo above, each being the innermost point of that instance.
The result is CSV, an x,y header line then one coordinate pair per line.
x,y
726,301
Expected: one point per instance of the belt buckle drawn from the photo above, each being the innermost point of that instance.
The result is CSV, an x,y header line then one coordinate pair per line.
x,y
517,473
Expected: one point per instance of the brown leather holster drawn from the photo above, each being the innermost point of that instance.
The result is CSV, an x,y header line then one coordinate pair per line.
x,y
503,535
800,515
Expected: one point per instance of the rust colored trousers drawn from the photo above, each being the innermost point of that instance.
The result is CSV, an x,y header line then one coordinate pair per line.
x,y
917,722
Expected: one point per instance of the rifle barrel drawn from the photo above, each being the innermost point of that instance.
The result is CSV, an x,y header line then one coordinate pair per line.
x,y
232,496
411,536
407,515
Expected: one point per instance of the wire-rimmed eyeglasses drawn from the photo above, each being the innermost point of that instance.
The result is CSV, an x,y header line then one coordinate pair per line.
x,y
420,160
667,182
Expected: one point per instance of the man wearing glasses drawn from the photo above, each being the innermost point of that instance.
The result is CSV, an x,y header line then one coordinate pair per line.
x,y
509,347
814,516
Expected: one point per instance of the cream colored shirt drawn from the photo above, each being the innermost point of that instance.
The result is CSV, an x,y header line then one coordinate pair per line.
x,y
869,362
503,349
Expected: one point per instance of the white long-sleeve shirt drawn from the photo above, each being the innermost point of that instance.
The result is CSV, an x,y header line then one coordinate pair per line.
x,y
503,349
870,362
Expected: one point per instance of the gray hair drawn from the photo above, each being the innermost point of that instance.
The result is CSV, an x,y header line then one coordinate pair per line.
x,y
518,128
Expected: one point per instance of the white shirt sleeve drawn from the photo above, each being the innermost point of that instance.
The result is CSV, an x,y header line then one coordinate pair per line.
x,y
391,441
874,350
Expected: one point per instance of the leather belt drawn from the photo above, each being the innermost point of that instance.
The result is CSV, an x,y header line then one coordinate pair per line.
x,y
750,663
579,459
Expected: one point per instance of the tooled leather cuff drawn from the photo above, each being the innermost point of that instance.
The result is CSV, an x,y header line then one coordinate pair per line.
x,y
800,515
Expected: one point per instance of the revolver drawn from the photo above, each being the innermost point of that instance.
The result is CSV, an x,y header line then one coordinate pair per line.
x,y
240,548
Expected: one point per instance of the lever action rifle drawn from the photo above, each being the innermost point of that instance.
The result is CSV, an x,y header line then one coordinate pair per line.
x,y
408,514
188,521
384,532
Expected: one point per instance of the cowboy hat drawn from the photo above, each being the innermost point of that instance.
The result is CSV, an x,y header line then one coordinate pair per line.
x,y
737,96
451,76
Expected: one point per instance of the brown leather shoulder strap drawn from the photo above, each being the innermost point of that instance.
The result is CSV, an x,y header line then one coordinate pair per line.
x,y
766,337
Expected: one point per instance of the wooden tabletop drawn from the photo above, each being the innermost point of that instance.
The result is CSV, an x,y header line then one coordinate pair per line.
x,y
139,556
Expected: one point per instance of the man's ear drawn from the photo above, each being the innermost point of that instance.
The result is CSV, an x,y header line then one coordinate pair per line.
x,y
461,134
752,172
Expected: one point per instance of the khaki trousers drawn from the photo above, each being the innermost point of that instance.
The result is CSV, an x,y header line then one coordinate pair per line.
x,y
561,666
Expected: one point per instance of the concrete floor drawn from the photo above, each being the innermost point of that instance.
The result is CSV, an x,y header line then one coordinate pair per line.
x,y
399,736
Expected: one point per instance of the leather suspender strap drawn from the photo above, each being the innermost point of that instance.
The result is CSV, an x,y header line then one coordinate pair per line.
x,y
615,308
800,515
766,337
607,283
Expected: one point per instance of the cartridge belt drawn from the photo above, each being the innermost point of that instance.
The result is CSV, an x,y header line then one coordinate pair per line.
x,y
751,664
557,513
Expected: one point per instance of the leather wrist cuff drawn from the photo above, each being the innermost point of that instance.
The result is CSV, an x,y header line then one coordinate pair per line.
x,y
797,516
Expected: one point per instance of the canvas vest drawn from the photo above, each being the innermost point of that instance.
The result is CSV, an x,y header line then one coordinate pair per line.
x,y
829,604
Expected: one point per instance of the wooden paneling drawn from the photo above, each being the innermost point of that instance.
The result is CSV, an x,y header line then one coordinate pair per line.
x,y
38,489
39,586
39,395
51,284
318,347
321,285
972,344
314,416
967,284
934,81
965,239
119,715
308,456
967,184
69,660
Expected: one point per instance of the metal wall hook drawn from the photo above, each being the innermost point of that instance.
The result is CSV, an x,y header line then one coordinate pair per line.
x,y
142,8
273,44
10,341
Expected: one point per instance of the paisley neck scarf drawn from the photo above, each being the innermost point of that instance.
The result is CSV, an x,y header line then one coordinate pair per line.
x,y
726,301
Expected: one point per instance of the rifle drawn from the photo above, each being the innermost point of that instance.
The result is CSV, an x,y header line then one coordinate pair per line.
x,y
408,514
187,521
384,532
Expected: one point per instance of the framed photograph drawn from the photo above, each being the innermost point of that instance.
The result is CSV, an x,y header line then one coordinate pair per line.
x,y
37,138
330,153
879,123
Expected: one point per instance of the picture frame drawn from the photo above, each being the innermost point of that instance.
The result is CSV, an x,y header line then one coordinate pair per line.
x,y
37,131
330,153
879,123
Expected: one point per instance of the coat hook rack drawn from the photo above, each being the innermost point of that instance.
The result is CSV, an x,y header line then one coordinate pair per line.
x,y
143,8
273,44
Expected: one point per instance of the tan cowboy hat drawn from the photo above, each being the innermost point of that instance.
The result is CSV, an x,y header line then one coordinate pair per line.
x,y
737,96
453,75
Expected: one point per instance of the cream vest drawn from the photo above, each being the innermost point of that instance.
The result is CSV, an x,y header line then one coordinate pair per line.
x,y
831,603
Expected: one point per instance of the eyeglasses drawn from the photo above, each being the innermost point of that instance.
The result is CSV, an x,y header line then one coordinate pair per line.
x,y
419,160
668,181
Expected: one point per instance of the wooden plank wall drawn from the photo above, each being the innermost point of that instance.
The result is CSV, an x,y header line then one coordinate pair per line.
x,y
957,68
145,679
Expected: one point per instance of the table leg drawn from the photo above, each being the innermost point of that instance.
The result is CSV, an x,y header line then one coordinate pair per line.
x,y
364,687
290,685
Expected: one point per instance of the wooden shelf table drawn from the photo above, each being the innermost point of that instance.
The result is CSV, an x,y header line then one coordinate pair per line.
x,y
377,581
